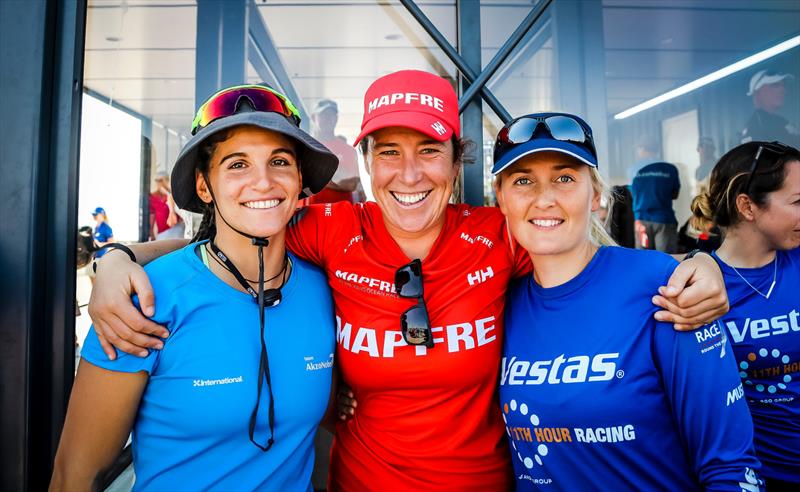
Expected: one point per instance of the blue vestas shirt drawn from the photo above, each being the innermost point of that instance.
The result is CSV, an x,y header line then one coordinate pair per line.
x,y
653,188
191,432
765,334
102,233
598,395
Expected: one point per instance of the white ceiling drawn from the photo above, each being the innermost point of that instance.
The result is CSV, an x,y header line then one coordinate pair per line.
x,y
141,53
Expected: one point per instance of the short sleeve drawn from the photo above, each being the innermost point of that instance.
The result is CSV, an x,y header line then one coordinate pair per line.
x,y
92,352
315,229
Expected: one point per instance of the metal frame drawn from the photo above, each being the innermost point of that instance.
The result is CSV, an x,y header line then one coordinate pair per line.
x,y
268,63
38,233
451,53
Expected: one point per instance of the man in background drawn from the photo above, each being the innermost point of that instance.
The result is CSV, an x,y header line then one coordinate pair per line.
x,y
707,152
768,89
346,181
655,185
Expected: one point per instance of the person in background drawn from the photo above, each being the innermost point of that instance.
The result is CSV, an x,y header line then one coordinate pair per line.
x,y
768,89
707,152
346,181
754,196
655,185
620,221
165,223
595,392
103,234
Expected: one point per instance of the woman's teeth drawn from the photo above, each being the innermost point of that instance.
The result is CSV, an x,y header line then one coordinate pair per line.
x,y
410,198
262,204
546,222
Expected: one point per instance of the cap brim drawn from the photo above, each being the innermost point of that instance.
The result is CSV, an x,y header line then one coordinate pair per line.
x,y
421,122
770,79
543,145
317,163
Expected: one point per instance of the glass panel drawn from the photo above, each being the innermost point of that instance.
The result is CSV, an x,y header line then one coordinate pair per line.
x,y
603,60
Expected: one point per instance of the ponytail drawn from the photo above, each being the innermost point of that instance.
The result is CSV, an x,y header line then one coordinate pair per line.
x,y
208,226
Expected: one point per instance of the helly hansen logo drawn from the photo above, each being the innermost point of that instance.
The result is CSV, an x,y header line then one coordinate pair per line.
x,y
765,327
480,276
405,98
439,128
735,395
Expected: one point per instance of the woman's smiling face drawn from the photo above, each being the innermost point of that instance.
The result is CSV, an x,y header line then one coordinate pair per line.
x,y
255,179
412,178
548,199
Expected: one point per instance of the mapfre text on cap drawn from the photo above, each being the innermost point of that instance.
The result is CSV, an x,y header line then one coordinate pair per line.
x,y
406,98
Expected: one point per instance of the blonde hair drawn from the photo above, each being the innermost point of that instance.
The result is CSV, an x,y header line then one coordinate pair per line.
x,y
597,231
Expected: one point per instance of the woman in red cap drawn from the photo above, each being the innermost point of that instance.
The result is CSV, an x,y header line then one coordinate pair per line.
x,y
419,289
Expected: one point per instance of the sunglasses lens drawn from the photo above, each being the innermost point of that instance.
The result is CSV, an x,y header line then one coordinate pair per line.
x,y
416,327
408,280
565,129
522,130
227,103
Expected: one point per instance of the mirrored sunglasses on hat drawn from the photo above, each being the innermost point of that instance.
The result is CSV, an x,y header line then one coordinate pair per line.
x,y
553,127
226,103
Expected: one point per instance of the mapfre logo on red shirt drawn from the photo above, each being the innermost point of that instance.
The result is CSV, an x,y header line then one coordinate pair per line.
x,y
455,337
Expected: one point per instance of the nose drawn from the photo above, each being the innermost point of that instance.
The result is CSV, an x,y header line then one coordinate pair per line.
x,y
544,196
262,180
411,170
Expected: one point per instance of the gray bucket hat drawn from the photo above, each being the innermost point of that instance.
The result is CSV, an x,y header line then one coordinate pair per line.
x,y
317,163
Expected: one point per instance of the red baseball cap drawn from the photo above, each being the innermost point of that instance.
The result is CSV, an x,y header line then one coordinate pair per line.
x,y
413,99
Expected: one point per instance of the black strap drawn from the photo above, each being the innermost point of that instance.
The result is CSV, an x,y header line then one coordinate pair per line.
x,y
111,246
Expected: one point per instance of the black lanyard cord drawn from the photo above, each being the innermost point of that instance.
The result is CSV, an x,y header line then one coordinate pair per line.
x,y
268,298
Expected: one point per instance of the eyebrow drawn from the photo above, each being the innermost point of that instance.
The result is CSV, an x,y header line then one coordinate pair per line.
x,y
279,150
571,165
393,144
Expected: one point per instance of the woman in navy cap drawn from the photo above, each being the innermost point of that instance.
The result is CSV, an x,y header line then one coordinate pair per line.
x,y
103,234
594,393
210,411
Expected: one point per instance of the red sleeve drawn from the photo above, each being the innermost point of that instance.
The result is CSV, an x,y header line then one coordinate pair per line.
x,y
316,230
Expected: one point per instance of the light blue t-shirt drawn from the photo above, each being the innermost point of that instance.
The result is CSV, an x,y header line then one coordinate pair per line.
x,y
766,341
597,395
191,432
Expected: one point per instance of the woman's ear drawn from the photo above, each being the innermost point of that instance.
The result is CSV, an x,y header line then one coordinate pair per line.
x,y
201,187
498,193
596,201
745,207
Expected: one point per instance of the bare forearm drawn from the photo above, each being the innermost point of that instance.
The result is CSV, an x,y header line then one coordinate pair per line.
x,y
147,252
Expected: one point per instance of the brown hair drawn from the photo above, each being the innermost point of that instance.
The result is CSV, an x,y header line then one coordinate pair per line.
x,y
729,179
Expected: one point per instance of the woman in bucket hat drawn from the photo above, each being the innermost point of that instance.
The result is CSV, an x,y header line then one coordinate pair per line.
x,y
593,390
419,288
210,413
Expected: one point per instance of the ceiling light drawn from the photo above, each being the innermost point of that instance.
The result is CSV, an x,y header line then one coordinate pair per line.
x,y
712,77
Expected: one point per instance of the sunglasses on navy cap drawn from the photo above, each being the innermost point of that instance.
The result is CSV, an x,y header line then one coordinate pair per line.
x,y
561,127
414,322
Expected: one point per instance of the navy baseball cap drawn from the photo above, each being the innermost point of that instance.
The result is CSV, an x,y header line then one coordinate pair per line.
x,y
98,210
542,132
